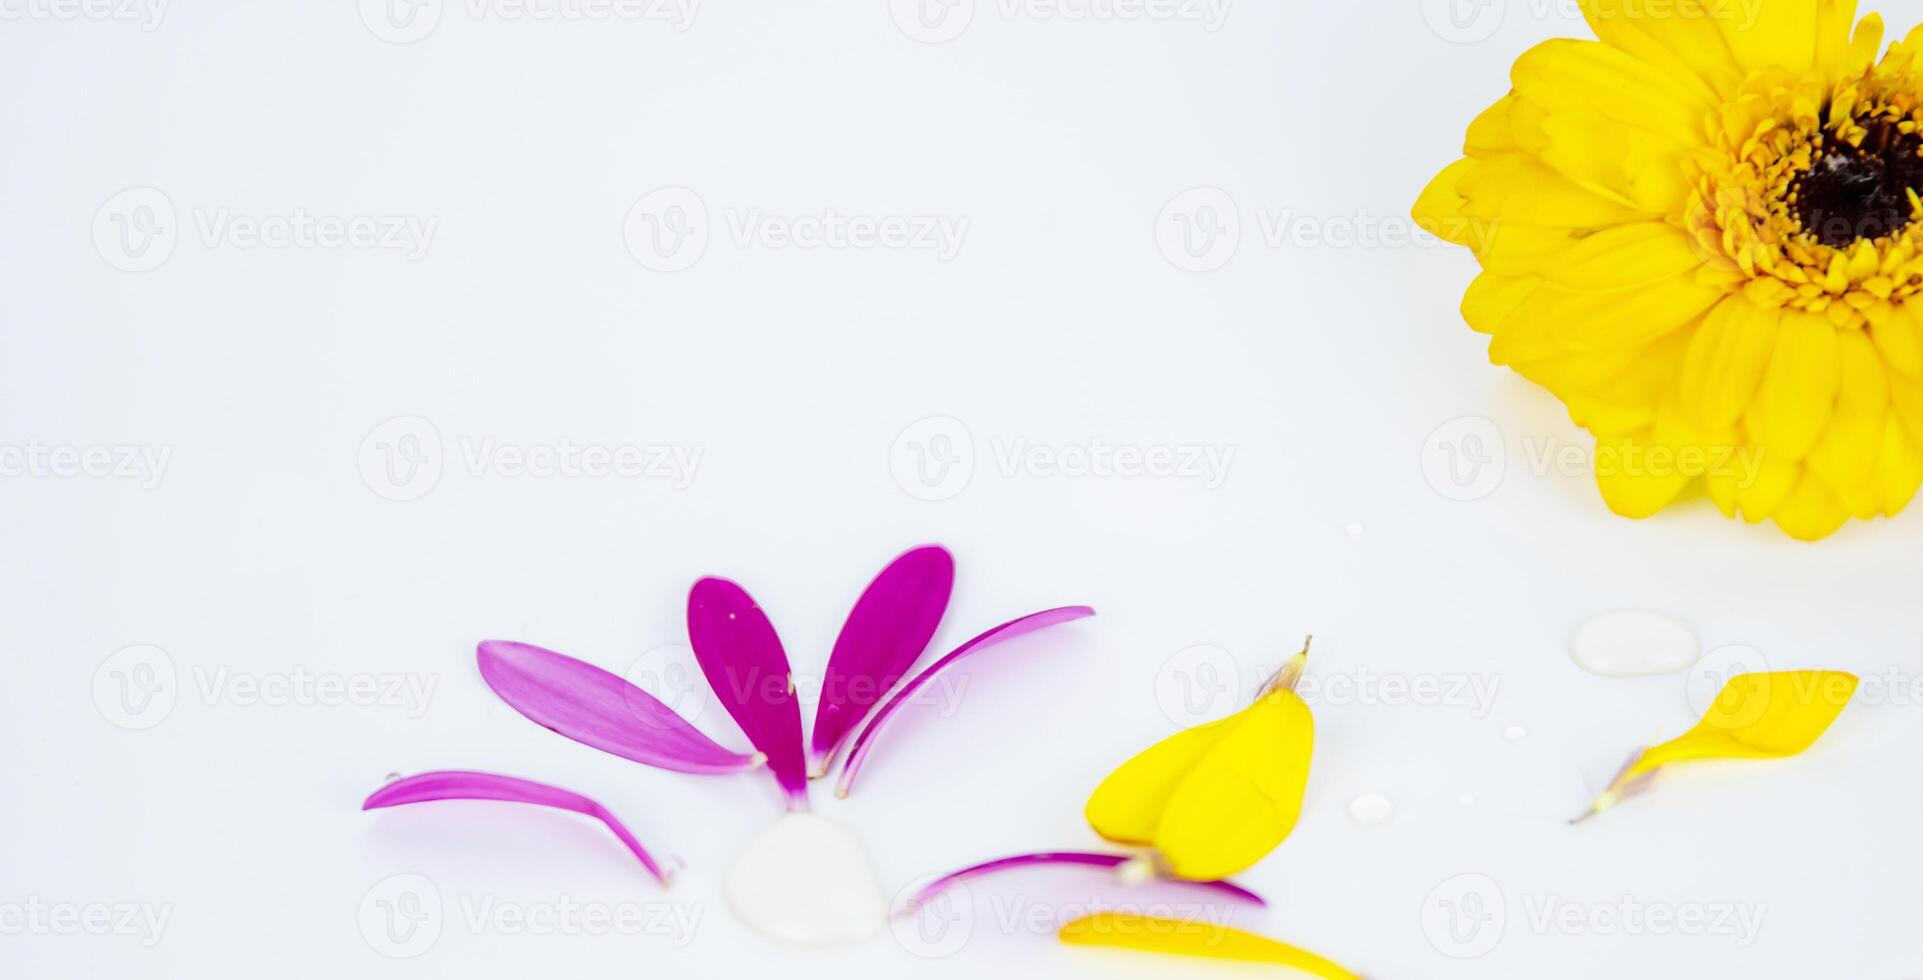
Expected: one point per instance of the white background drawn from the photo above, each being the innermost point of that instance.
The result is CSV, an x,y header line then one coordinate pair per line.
x,y
268,548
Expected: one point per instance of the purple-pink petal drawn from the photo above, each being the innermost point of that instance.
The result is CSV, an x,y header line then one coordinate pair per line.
x,y
454,784
1227,889
742,657
887,630
1006,631
597,708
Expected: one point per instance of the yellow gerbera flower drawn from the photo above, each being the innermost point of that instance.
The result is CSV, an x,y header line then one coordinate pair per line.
x,y
1704,234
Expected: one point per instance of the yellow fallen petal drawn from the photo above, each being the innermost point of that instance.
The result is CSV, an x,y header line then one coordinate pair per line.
x,y
1755,716
1244,794
1127,806
1180,937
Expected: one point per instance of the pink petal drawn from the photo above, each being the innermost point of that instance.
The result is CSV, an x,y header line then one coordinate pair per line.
x,y
460,785
1006,631
594,707
1225,888
742,658
888,629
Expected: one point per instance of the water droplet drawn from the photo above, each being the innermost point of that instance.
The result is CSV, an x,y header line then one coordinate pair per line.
x,y
390,777
1633,643
1371,810
1466,799
1515,733
1354,530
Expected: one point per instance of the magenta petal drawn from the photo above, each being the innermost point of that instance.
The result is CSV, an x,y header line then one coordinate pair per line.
x,y
460,785
742,658
888,629
1227,889
1006,631
597,708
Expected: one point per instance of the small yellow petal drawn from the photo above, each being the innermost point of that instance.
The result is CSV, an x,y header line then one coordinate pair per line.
x,y
1243,796
1182,937
1127,806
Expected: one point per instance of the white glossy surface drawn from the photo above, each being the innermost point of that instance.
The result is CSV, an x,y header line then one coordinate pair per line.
x,y
807,881
1633,643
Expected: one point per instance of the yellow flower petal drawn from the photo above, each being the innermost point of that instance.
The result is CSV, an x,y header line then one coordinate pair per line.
x,y
1777,34
1798,393
1898,335
1127,806
1599,320
1492,298
1243,795
1489,132
1622,257
1180,937
1812,511
1680,40
1564,74
1775,478
1755,716
1515,188
1899,472
1439,210
1727,357
1847,456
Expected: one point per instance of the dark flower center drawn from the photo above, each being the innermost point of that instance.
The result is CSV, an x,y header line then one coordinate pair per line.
x,y
1858,192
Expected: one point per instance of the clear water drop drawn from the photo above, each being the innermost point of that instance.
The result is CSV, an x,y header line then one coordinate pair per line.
x,y
1633,643
1515,733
